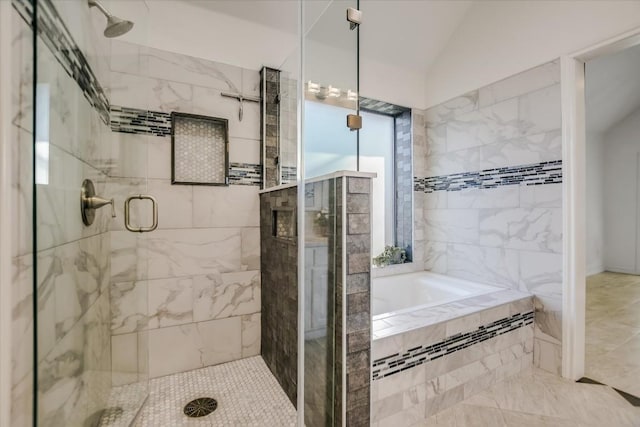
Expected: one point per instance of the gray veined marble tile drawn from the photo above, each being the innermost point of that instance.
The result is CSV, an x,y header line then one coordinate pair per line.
x,y
495,266
165,65
523,229
539,111
469,198
452,108
79,362
21,317
233,206
199,345
541,273
176,253
449,225
435,257
21,192
125,57
148,93
218,296
485,126
453,162
75,273
524,150
22,73
170,302
547,356
528,81
129,306
251,248
251,327
124,358
436,139
541,196
209,102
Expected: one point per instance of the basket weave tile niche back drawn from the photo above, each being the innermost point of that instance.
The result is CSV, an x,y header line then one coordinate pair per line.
x,y
199,152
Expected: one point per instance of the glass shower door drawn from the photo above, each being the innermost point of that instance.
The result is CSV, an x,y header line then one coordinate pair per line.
x,y
329,96
83,258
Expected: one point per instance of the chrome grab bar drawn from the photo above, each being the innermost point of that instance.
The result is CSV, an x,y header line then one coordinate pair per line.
x,y
127,216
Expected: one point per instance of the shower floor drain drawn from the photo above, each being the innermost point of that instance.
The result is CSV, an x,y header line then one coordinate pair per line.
x,y
200,407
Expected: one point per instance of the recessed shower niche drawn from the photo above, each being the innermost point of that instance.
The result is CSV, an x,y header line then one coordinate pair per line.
x,y
199,150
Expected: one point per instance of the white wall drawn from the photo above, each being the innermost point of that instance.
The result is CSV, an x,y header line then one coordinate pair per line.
x,y
595,203
498,39
621,226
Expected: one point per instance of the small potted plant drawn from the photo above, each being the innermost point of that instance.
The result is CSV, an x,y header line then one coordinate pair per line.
x,y
390,255
321,222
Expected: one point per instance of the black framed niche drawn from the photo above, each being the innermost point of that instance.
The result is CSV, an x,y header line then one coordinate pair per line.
x,y
199,150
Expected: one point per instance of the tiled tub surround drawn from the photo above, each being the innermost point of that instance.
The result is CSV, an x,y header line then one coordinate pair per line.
x,y
427,360
194,283
488,193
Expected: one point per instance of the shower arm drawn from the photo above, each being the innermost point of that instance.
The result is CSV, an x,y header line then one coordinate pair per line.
x,y
96,3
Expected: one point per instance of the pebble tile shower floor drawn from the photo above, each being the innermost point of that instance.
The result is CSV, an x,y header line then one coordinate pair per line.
x,y
246,391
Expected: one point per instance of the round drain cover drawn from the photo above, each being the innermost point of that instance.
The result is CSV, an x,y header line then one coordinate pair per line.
x,y
200,407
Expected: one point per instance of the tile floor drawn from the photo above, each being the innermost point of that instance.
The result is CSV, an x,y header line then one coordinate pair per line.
x,y
539,399
246,391
613,330
123,405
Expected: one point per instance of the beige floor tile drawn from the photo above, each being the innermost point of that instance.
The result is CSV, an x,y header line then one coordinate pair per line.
x,y
612,352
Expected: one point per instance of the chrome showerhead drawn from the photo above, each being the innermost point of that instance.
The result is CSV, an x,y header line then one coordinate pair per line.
x,y
115,26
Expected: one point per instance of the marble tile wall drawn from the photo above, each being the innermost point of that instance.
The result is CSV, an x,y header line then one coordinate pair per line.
x,y
488,175
419,374
196,279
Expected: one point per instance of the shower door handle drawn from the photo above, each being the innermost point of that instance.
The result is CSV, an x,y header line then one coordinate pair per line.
x,y
127,216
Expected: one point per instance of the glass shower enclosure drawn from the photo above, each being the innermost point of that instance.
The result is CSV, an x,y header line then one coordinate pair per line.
x,y
78,256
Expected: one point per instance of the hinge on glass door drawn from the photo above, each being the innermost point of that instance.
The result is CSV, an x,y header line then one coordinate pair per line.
x,y
354,121
354,17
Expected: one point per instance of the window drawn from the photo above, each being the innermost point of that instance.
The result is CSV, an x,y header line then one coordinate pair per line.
x,y
332,148
377,155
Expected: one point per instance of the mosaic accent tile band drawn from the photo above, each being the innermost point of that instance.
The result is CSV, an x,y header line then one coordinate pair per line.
x,y
289,174
245,174
533,174
395,363
381,107
144,122
55,34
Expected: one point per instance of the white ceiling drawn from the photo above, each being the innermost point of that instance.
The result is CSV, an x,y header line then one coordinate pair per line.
x,y
612,89
408,33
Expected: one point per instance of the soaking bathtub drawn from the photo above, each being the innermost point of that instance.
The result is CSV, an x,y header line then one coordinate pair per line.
x,y
438,340
402,293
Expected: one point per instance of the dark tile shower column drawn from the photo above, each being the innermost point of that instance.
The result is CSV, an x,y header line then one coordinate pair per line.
x,y
340,387
279,269
357,297
270,117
